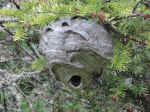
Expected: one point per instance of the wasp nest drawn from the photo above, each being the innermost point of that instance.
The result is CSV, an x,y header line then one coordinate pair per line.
x,y
75,49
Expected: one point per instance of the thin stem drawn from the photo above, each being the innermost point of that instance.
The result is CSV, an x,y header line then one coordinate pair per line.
x,y
14,2
5,104
124,17
136,5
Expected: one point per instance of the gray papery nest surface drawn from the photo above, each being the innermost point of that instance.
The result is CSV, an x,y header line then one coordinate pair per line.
x,y
62,39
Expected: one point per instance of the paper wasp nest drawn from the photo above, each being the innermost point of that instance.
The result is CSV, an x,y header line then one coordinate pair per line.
x,y
75,49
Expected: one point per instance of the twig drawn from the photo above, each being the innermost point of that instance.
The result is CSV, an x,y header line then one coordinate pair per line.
x,y
124,17
147,4
11,34
6,30
4,19
5,104
136,5
142,42
112,29
35,51
17,77
29,54
27,99
14,2
75,13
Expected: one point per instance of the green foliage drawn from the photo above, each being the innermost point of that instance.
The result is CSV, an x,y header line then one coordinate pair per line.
x,y
73,107
41,12
121,58
120,7
39,64
2,34
119,90
36,107
138,89
12,12
132,26
19,34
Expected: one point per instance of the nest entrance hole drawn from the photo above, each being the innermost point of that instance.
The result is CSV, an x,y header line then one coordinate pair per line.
x,y
65,24
75,80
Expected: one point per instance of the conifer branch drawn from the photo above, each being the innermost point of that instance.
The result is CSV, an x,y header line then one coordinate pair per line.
x,y
71,13
110,28
11,36
124,17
